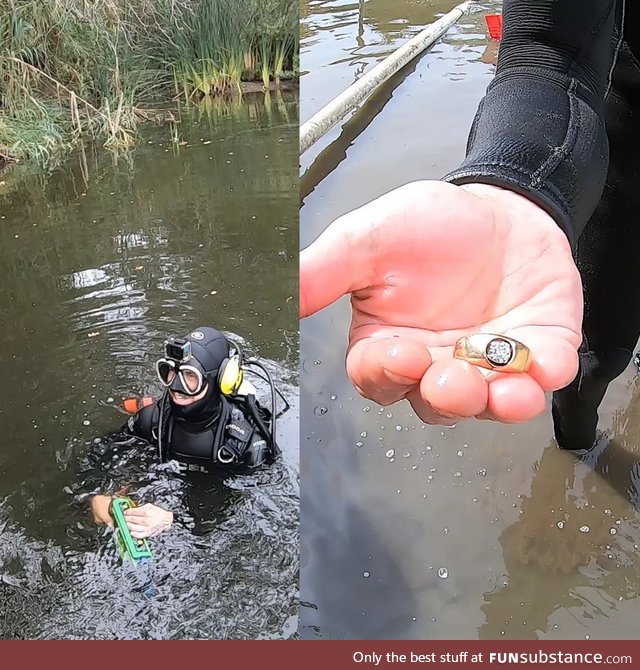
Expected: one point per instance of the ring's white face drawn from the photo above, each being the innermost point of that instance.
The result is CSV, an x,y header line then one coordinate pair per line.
x,y
185,400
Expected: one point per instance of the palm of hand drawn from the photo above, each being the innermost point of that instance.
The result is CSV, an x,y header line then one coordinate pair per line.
x,y
432,262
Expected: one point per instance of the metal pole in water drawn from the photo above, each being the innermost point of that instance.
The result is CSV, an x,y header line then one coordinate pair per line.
x,y
313,129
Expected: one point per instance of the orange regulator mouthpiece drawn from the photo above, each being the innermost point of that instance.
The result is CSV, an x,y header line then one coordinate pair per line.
x,y
134,405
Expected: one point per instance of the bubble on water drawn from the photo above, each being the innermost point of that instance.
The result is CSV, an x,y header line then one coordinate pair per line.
x,y
333,396
461,453
560,525
86,422
414,467
110,399
363,433
458,474
366,574
317,362
389,415
443,573
320,410
607,511
398,427
390,453
445,531
613,531
366,409
407,454
429,477
359,444
429,447
482,472
584,529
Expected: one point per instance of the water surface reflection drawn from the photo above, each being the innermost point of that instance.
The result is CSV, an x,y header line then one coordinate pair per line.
x,y
100,263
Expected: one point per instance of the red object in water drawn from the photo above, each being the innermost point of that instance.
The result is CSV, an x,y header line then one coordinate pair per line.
x,y
494,24
134,405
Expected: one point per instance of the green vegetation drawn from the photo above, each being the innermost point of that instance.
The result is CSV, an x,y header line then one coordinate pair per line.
x,y
71,69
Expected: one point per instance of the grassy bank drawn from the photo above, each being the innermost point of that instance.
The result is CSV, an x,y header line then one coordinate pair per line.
x,y
71,69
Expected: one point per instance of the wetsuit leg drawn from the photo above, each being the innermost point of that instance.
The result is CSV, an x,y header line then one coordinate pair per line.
x,y
608,256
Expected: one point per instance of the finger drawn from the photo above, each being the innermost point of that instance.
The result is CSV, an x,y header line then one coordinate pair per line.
x,y
140,534
137,528
339,261
515,398
385,370
554,359
455,388
135,513
426,413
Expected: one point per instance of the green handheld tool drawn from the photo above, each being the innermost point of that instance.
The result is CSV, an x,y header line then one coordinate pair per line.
x,y
128,546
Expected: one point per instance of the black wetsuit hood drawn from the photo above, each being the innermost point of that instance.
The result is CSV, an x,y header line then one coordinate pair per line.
x,y
209,350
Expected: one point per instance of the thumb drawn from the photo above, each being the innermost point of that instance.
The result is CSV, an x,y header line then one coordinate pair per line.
x,y
348,256
339,261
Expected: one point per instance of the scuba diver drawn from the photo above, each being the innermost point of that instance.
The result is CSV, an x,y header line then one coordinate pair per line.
x,y
207,419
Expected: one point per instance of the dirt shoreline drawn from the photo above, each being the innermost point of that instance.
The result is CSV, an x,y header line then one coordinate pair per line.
x,y
258,86
246,87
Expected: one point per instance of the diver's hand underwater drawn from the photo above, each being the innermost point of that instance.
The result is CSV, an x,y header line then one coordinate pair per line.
x,y
147,520
100,510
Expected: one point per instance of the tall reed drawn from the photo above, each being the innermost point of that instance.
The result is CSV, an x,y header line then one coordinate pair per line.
x,y
71,69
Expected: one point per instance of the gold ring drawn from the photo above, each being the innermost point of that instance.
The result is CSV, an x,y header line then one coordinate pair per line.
x,y
493,352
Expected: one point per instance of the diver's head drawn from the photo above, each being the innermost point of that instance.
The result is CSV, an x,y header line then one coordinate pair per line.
x,y
189,370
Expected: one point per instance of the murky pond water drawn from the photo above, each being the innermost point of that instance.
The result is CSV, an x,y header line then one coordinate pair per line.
x,y
483,530
99,263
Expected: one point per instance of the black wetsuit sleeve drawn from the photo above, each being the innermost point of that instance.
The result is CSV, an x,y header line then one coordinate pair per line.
x,y
143,424
540,129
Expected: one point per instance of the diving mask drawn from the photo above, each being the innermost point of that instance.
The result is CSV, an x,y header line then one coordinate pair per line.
x,y
183,378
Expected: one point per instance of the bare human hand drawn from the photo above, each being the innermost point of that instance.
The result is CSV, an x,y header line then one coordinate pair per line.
x,y
147,520
100,510
431,262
